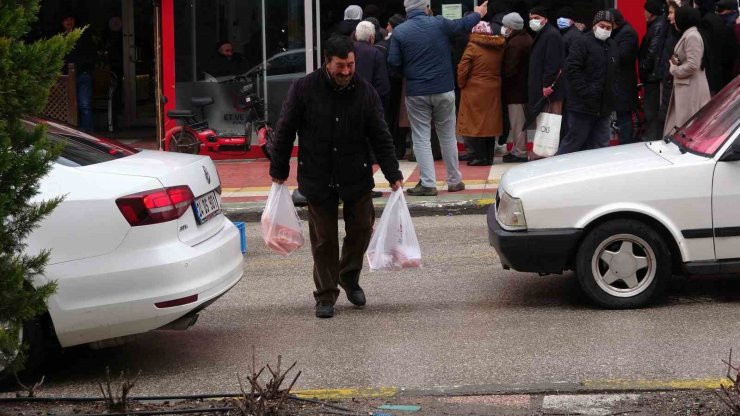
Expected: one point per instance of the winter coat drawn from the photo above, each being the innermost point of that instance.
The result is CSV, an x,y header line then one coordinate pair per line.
x,y
479,77
420,47
346,27
591,69
545,62
651,50
515,67
569,36
690,86
336,129
722,52
626,82
370,65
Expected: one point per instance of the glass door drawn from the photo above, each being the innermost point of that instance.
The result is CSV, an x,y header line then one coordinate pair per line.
x,y
138,82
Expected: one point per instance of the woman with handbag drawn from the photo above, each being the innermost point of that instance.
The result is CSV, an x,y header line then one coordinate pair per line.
x,y
687,65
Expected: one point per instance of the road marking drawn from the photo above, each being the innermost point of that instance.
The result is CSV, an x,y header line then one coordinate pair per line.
x,y
348,393
694,384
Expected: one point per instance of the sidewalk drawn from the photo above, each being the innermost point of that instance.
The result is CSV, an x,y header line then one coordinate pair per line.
x,y
246,183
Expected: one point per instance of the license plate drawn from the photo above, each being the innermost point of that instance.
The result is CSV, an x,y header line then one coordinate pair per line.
x,y
207,206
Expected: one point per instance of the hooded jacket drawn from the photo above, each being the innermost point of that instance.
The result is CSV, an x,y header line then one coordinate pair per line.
x,y
421,48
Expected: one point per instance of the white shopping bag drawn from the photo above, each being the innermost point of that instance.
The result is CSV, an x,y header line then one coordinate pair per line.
x,y
281,227
547,135
394,244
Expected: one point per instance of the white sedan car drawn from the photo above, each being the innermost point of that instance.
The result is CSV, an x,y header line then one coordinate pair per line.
x,y
627,218
139,242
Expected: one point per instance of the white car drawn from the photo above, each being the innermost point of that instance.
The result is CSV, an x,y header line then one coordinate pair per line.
x,y
627,218
139,242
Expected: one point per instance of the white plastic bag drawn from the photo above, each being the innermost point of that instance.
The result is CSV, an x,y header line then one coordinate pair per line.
x,y
547,135
281,227
394,244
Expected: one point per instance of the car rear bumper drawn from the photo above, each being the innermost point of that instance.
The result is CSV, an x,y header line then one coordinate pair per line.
x,y
115,295
536,251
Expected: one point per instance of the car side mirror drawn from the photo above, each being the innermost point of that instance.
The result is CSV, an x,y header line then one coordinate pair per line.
x,y
732,154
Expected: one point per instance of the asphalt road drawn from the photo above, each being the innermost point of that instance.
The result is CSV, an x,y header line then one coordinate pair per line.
x,y
459,321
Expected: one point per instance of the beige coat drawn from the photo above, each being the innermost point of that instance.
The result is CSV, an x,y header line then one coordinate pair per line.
x,y
690,87
479,78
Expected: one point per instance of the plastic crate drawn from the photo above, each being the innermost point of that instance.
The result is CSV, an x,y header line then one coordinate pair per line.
x,y
242,235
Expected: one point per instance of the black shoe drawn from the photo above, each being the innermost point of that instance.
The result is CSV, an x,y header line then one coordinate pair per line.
x,y
420,190
356,296
480,162
514,159
324,309
298,199
376,194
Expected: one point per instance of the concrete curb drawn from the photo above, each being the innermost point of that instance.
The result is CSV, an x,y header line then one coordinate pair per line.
x,y
251,211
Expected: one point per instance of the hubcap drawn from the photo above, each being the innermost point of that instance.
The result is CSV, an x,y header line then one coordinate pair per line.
x,y
624,265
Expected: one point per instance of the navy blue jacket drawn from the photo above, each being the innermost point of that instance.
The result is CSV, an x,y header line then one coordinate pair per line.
x,y
421,48
370,65
591,68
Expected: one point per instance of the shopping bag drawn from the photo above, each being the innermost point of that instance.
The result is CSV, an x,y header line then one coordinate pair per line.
x,y
281,227
394,244
547,135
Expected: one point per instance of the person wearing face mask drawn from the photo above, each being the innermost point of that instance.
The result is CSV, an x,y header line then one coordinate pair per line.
x,y
591,69
688,64
626,82
546,64
567,27
514,74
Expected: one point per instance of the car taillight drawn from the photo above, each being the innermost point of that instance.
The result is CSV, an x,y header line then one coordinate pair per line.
x,y
155,206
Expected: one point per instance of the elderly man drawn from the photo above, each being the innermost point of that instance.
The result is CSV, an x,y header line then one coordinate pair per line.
x,y
514,86
591,69
420,48
371,61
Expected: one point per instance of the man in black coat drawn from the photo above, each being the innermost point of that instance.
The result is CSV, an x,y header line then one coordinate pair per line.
x,y
651,50
591,68
338,118
370,61
626,83
546,65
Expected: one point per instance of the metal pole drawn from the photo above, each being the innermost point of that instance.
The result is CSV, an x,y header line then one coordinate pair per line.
x,y
308,33
319,57
264,57
158,73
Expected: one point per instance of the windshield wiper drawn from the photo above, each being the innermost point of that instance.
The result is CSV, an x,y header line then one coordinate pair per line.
x,y
668,138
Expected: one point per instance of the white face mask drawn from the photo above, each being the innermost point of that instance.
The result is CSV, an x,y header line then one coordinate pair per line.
x,y
602,34
504,32
536,25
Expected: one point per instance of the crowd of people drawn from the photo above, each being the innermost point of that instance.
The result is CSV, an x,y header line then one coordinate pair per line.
x,y
377,80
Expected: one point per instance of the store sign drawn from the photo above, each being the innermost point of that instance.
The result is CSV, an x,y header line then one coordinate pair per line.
x,y
452,11
226,116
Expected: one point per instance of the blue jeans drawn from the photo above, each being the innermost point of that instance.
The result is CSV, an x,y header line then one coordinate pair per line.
x,y
84,101
585,132
439,108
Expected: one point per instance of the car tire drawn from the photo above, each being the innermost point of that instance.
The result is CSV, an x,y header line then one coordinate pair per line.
x,y
34,335
623,264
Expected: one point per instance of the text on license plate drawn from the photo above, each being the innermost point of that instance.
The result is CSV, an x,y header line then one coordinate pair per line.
x,y
206,206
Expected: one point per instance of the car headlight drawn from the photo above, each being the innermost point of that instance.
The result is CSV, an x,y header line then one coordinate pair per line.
x,y
510,212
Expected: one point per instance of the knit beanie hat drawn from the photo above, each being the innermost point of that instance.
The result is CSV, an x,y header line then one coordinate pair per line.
x,y
654,7
604,16
514,21
618,17
567,12
727,5
415,4
539,11
396,20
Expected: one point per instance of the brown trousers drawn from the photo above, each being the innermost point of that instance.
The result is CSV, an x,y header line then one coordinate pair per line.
x,y
329,269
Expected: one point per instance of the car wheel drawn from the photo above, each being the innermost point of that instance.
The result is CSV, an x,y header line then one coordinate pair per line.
x,y
623,264
33,335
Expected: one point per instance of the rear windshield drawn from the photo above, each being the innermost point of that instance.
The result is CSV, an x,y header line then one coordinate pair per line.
x,y
710,127
78,151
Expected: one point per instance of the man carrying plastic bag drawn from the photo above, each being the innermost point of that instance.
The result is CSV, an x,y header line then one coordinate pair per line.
x,y
281,227
338,118
394,244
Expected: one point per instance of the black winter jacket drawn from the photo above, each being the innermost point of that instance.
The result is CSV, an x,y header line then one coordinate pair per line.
x,y
546,60
651,50
626,83
569,36
370,65
336,129
592,69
